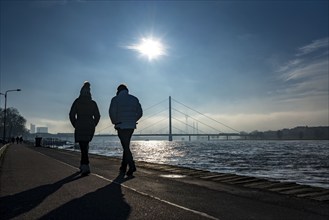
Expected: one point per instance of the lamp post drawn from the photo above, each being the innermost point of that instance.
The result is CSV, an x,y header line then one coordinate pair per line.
x,y
0,105
5,111
0,99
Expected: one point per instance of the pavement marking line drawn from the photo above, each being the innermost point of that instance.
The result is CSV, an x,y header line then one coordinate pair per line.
x,y
58,160
157,198
139,192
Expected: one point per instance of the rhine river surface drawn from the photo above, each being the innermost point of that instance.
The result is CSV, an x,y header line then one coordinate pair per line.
x,y
303,162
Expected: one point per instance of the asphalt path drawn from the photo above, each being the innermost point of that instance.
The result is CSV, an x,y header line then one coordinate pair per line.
x,y
44,183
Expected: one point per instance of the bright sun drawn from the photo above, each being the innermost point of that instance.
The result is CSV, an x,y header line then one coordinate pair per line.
x,y
150,48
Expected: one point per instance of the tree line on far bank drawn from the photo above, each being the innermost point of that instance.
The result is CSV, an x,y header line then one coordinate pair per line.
x,y
15,123
297,133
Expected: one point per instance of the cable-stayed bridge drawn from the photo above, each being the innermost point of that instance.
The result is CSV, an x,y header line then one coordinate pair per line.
x,y
171,118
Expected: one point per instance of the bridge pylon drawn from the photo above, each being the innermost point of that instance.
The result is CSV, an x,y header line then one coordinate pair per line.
x,y
170,129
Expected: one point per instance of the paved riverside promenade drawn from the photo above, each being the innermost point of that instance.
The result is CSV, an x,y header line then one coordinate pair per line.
x,y
43,183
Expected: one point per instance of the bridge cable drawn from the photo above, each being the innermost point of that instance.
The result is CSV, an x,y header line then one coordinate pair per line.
x,y
187,124
206,116
179,129
198,121
146,109
152,125
149,116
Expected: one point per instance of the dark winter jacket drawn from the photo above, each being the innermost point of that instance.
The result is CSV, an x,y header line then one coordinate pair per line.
x,y
84,116
125,110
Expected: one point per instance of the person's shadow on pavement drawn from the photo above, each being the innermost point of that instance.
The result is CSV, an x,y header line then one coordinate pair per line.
x,y
105,203
17,204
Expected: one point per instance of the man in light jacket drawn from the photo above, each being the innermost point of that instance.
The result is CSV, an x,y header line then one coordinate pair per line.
x,y
125,110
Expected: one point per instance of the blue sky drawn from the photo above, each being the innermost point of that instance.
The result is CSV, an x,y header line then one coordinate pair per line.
x,y
252,65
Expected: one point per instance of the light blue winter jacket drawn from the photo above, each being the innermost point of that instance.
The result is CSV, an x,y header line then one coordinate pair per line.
x,y
125,110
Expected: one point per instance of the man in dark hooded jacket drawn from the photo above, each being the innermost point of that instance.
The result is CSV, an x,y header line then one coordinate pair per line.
x,y
125,110
84,116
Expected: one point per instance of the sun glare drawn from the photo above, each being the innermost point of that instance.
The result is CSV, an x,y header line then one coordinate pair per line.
x,y
150,48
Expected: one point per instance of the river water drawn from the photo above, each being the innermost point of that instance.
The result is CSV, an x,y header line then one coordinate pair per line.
x,y
303,162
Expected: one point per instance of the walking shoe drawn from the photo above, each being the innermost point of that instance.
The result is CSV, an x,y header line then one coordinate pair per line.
x,y
84,169
131,171
81,168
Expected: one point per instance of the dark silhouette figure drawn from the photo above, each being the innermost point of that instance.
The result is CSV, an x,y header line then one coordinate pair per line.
x,y
17,204
17,140
84,116
105,203
21,140
13,140
125,110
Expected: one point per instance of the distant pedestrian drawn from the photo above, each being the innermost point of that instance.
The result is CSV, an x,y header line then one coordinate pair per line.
x,y
13,140
21,140
125,110
17,140
84,116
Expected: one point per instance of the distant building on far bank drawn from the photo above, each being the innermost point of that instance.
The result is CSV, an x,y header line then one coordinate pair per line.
x,y
42,129
32,129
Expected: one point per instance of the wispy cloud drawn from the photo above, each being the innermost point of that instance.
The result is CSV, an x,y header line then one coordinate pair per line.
x,y
316,45
302,69
305,76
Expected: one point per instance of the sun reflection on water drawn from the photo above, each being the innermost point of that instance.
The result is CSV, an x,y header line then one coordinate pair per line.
x,y
157,151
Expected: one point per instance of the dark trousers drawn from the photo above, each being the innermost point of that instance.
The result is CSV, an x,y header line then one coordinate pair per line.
x,y
127,158
84,148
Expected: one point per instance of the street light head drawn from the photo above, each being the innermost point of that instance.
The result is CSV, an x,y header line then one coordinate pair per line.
x,y
13,90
